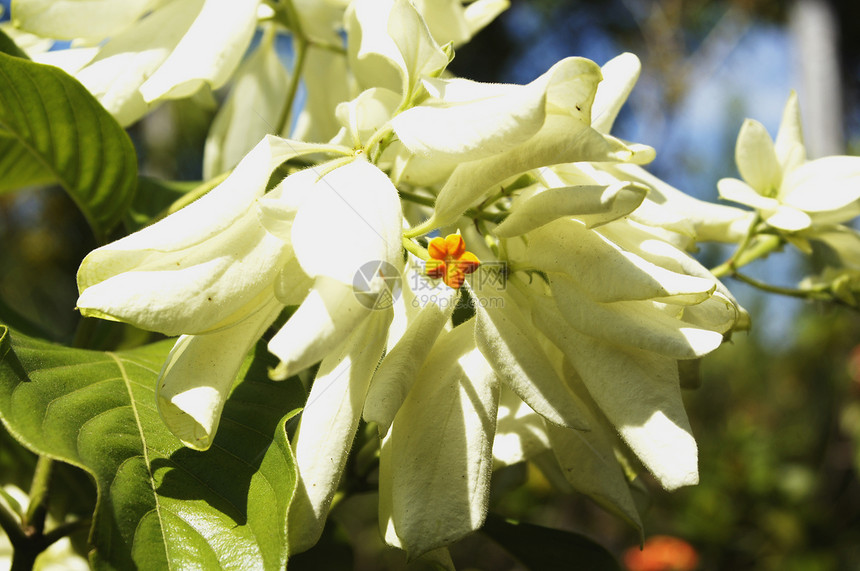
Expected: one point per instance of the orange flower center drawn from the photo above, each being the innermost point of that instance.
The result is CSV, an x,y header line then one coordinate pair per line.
x,y
450,260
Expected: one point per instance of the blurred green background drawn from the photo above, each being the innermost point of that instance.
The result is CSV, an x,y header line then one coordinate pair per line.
x,y
777,416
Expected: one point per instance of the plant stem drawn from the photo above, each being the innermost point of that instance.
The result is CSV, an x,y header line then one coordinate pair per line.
x,y
415,249
34,519
753,246
496,217
9,523
791,292
301,52
29,540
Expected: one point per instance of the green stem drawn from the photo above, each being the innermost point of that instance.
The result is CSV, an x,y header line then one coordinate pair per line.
x,y
294,23
66,529
496,217
9,523
415,249
34,519
28,540
301,51
790,292
744,254
383,137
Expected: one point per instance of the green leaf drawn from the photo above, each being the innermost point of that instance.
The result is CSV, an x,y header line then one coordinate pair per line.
x,y
53,129
540,548
19,167
160,505
8,46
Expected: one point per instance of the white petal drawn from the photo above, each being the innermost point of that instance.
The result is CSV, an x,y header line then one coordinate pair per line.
x,y
824,185
718,313
199,372
561,140
278,208
208,52
572,86
359,202
789,146
201,268
467,120
482,12
327,316
325,78
445,19
292,285
588,463
789,219
592,204
756,158
742,193
520,431
328,424
320,20
398,370
507,342
619,76
607,273
640,394
638,324
419,53
71,19
668,207
389,45
367,113
475,129
252,109
126,60
436,465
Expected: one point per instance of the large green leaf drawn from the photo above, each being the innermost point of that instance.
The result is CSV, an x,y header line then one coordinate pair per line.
x,y
540,548
53,129
8,46
160,505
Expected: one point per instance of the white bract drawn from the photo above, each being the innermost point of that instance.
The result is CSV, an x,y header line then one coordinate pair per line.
x,y
131,55
790,193
582,310
219,272
622,306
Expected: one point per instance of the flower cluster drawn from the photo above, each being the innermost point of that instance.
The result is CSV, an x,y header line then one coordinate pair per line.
x,y
581,316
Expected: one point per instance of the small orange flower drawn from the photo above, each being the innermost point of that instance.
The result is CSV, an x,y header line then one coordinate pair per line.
x,y
451,261
662,553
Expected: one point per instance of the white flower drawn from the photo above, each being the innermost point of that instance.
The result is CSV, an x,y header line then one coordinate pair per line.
x,y
436,459
479,135
621,305
220,270
135,54
789,192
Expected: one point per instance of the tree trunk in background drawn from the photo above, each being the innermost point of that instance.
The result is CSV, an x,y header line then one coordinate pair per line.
x,y
815,28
